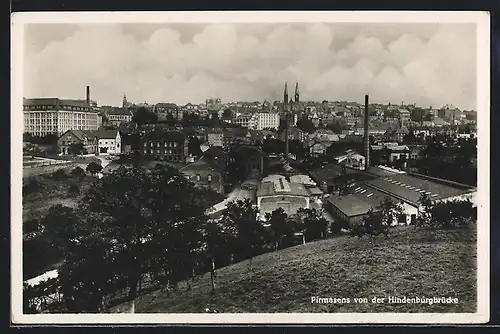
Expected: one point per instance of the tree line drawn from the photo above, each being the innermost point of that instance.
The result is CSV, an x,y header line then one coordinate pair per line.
x,y
136,225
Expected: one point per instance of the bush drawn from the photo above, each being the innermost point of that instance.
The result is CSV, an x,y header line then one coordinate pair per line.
x,y
73,190
31,184
60,174
446,215
78,173
94,168
31,226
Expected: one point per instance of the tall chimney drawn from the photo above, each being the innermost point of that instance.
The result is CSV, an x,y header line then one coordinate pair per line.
x,y
287,120
366,138
88,95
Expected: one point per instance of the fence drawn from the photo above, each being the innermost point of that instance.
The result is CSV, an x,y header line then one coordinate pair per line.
x,y
45,163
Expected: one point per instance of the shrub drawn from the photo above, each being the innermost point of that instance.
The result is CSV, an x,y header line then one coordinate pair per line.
x,y
94,168
60,174
446,215
73,190
32,184
78,173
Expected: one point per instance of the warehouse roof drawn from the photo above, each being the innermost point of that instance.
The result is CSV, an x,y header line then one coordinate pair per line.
x,y
278,185
411,187
359,202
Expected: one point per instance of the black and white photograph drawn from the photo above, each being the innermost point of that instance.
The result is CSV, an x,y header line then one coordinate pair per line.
x,y
262,167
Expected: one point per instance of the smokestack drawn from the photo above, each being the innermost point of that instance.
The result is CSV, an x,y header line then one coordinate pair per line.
x,y
366,138
88,95
286,135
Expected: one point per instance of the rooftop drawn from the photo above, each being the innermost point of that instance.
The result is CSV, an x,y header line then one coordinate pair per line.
x,y
165,135
54,102
106,134
278,185
410,187
359,202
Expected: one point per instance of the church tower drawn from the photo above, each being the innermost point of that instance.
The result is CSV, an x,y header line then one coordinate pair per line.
x,y
124,102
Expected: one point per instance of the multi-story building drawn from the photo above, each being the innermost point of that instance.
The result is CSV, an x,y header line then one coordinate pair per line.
x,y
214,104
243,120
264,120
215,138
169,146
168,110
44,116
209,171
115,116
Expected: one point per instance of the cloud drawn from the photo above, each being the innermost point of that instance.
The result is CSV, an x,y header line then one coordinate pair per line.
x,y
427,64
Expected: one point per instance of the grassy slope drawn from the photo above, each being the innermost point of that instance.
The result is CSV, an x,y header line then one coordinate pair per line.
x,y
53,192
410,263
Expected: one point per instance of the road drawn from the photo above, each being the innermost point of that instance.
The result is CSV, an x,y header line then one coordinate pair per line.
x,y
239,192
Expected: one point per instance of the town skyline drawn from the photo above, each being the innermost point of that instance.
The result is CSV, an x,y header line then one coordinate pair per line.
x,y
426,64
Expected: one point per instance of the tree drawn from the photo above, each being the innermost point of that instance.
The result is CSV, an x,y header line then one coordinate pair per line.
x,y
60,226
144,116
241,216
94,168
227,113
315,226
306,125
73,190
77,149
377,220
78,173
279,225
194,146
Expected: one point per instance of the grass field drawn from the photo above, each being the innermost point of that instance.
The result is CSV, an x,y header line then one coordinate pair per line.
x,y
52,192
411,263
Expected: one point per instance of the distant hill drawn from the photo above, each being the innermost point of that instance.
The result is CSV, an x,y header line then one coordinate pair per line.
x,y
411,263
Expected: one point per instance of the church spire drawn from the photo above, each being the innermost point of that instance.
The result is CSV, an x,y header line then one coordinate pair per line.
x,y
297,95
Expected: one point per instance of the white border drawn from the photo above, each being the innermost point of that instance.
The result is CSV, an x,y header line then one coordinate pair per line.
x,y
481,19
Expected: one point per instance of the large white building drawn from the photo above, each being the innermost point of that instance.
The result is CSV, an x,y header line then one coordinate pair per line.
x,y
44,116
263,120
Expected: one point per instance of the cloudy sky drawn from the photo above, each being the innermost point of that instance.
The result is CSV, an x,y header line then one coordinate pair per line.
x,y
426,64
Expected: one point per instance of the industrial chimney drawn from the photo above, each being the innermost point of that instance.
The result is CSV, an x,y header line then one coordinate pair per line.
x,y
88,95
366,138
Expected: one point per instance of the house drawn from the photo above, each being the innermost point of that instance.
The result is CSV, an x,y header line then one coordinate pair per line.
x,y
109,141
351,159
116,116
166,111
234,136
208,171
389,153
293,134
171,146
318,147
86,137
397,132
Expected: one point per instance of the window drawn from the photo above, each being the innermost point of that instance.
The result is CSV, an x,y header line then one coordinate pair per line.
x,y
209,177
198,177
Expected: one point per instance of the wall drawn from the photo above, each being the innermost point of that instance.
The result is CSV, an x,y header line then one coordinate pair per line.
x,y
288,203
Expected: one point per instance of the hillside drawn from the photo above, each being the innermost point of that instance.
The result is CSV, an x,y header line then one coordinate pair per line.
x,y
411,263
